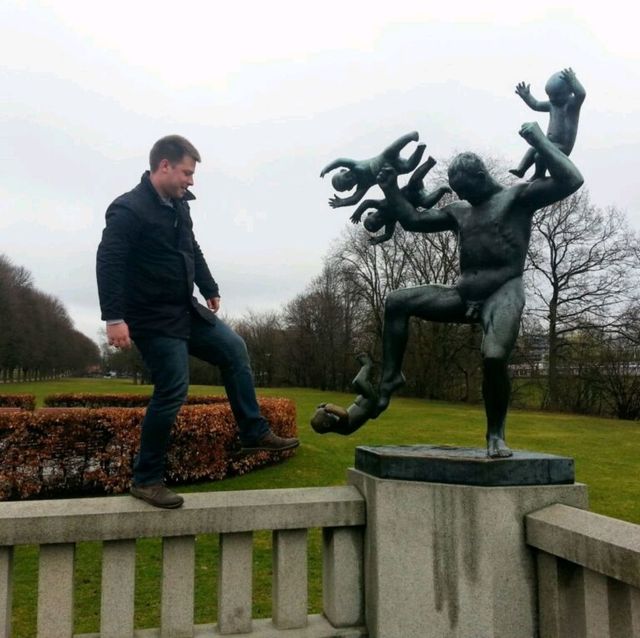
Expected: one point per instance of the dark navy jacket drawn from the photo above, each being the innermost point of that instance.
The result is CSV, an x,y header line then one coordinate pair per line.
x,y
148,262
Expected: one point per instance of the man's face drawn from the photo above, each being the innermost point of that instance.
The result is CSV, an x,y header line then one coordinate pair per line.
x,y
174,179
468,185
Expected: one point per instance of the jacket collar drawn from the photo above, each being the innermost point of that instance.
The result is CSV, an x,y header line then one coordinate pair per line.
x,y
145,181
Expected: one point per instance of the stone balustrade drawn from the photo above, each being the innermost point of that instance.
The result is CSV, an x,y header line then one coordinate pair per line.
x,y
437,559
588,573
57,525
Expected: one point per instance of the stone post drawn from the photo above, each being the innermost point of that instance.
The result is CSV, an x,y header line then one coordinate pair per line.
x,y
445,552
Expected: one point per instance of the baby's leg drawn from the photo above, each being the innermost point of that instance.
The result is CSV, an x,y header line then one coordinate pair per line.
x,y
388,234
541,168
429,200
406,166
526,163
415,181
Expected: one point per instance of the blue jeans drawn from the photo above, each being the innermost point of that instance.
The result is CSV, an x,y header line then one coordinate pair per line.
x,y
168,361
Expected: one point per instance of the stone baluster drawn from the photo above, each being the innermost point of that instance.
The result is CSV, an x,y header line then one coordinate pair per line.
x,y
290,579
235,583
178,582
118,588
55,590
343,575
6,590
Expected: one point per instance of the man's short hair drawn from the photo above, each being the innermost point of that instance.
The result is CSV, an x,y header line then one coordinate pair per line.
x,y
172,148
466,163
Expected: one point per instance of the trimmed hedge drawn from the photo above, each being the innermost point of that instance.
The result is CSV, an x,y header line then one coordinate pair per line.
x,y
23,401
83,400
59,451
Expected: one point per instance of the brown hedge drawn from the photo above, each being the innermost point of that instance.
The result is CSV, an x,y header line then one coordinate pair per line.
x,y
58,451
24,401
121,400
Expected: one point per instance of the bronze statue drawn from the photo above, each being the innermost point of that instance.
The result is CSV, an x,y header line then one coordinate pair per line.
x,y
566,96
362,173
493,224
414,192
332,418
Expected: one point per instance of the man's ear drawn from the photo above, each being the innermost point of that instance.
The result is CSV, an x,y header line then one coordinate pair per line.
x,y
164,165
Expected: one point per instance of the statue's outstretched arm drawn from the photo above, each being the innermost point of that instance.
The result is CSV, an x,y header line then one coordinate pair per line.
x,y
524,91
337,202
393,150
410,219
579,92
341,162
364,207
564,177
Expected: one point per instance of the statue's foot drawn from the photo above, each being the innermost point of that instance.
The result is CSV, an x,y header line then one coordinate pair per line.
x,y
363,359
497,448
387,388
517,172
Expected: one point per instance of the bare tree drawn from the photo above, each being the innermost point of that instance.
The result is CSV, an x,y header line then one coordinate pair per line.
x,y
263,334
581,267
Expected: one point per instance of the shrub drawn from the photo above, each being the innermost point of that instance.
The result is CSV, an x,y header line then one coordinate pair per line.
x,y
80,400
80,450
24,401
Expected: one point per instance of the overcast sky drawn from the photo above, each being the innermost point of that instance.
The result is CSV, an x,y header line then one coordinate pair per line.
x,y
269,92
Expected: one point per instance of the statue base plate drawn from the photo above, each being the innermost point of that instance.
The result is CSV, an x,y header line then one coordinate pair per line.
x,y
463,466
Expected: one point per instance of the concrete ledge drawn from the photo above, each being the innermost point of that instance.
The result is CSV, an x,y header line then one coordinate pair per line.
x,y
317,627
463,466
123,517
604,545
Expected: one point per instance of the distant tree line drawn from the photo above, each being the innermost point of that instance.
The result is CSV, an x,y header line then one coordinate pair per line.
x,y
37,336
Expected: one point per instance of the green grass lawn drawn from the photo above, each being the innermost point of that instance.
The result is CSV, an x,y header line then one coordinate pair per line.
x,y
606,452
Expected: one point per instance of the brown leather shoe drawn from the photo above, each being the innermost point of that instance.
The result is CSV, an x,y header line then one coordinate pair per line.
x,y
271,442
157,495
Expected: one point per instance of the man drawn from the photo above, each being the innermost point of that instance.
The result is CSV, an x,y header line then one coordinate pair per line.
x,y
493,227
148,262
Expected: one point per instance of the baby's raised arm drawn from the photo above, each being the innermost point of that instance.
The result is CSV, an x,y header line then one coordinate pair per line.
x,y
363,207
341,162
338,202
524,91
579,93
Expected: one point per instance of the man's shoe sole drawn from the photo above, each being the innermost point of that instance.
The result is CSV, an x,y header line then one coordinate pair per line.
x,y
262,448
146,499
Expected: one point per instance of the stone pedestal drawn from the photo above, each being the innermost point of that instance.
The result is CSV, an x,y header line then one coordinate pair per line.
x,y
446,559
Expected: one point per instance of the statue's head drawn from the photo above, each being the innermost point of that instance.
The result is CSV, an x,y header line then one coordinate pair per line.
x,y
329,418
557,89
343,180
469,178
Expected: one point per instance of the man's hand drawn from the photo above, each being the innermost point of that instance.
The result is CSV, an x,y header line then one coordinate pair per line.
x,y
213,304
523,90
532,133
118,335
